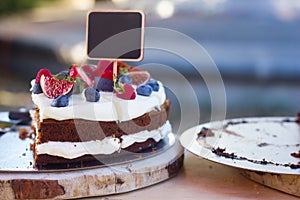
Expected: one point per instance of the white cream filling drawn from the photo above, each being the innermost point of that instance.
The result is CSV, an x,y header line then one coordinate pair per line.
x,y
108,145
109,107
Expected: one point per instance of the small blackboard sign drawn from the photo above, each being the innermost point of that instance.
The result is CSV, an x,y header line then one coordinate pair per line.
x,y
115,35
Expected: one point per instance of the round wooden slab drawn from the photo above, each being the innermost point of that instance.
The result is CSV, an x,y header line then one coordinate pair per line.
x,y
92,182
288,183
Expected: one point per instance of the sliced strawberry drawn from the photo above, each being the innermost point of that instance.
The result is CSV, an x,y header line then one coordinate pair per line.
x,y
127,93
73,72
108,74
89,70
134,69
105,65
122,68
83,75
102,66
122,65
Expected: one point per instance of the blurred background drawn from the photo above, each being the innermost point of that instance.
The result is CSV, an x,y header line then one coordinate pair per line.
x,y
254,44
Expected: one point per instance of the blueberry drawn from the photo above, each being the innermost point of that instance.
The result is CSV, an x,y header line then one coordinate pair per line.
x,y
60,101
104,84
154,84
37,88
91,94
124,79
65,72
144,90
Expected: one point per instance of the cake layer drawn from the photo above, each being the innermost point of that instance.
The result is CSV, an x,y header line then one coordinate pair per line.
x,y
77,130
109,108
44,161
108,145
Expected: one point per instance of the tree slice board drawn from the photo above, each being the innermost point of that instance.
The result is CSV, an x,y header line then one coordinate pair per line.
x,y
92,182
288,183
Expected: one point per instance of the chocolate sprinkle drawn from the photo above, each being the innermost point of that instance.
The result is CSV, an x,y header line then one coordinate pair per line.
x,y
205,132
221,152
296,155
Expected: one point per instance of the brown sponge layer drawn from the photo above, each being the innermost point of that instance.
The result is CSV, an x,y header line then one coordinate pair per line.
x,y
77,130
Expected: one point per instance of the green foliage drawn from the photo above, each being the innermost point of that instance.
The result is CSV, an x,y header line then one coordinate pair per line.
x,y
13,6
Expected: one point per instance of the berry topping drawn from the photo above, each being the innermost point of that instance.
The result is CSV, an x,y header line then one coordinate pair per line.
x,y
105,69
108,74
53,87
44,72
126,92
124,79
89,70
139,77
134,69
104,84
144,90
154,84
60,101
73,72
91,94
81,73
103,65
37,88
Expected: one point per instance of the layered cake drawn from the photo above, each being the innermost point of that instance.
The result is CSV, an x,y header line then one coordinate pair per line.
x,y
87,114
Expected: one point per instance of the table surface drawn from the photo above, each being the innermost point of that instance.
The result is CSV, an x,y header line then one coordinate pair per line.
x,y
203,179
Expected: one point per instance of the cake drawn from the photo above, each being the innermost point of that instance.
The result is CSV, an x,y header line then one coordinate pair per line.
x,y
86,115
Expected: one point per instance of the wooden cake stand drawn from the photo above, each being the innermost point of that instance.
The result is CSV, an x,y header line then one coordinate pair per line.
x,y
79,183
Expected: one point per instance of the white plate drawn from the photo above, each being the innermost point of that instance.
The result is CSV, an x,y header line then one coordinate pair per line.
x,y
258,144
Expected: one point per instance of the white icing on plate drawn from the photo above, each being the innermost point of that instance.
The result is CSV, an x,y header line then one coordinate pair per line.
x,y
259,144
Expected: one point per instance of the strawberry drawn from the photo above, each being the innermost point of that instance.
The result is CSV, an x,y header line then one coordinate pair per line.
x,y
102,66
126,92
134,69
89,70
73,71
108,74
76,72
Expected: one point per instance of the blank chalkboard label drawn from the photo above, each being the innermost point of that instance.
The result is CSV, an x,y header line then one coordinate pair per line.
x,y
115,35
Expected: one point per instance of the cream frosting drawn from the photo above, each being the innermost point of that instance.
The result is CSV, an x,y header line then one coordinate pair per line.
x,y
109,107
106,146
